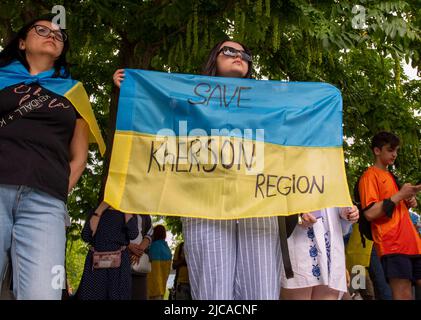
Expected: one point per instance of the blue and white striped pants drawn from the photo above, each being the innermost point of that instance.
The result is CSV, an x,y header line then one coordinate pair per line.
x,y
233,259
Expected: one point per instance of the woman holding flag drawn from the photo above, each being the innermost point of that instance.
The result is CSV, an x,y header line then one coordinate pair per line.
x,y
45,122
231,259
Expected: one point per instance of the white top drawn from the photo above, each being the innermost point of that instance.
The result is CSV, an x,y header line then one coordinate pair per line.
x,y
317,253
148,234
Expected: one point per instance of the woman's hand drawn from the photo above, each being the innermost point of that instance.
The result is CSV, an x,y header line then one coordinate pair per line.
x,y
134,259
118,77
351,214
144,244
307,220
101,208
136,249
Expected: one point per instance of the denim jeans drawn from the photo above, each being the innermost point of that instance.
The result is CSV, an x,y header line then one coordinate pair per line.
x,y
382,289
32,230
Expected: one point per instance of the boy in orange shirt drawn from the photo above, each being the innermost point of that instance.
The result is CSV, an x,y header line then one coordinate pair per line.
x,y
397,242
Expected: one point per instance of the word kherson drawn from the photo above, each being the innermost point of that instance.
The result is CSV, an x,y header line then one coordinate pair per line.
x,y
226,148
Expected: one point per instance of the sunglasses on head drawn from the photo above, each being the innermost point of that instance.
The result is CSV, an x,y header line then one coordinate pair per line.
x,y
232,52
45,32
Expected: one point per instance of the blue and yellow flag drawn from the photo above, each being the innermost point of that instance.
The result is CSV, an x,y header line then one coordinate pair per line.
x,y
226,148
161,259
72,90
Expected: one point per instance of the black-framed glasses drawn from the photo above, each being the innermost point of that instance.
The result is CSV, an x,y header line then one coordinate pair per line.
x,y
45,32
232,52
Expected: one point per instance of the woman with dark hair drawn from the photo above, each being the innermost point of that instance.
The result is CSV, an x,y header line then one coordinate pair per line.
x,y
159,233
231,259
226,49
211,67
160,255
15,50
45,121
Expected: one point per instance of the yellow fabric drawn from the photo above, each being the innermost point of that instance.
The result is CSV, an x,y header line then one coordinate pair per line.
x,y
80,100
223,193
356,254
157,278
183,273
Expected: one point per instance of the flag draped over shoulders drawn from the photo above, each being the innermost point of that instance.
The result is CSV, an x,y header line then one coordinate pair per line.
x,y
226,148
72,90
161,258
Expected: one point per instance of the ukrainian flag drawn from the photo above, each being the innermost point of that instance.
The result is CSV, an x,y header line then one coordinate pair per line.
x,y
226,148
72,90
161,259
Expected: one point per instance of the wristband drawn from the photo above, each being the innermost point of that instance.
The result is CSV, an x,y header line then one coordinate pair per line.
x,y
388,207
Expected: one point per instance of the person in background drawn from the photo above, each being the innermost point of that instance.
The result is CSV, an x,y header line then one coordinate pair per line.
x,y
396,240
230,259
181,281
107,230
318,256
416,220
160,255
137,248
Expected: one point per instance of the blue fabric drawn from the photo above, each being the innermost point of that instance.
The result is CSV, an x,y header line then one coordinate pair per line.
x,y
347,236
159,250
15,73
291,114
415,218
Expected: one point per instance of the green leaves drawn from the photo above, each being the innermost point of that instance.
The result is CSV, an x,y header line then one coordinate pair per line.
x,y
294,40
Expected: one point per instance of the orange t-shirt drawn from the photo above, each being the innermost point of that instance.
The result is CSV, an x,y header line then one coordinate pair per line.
x,y
396,235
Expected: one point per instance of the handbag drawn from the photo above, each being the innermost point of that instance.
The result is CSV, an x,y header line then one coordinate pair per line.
x,y
106,259
143,265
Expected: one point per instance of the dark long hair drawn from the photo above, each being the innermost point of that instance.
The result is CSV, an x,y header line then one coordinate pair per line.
x,y
159,233
12,52
210,67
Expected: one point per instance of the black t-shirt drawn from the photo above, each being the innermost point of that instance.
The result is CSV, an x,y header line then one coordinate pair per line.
x,y
34,149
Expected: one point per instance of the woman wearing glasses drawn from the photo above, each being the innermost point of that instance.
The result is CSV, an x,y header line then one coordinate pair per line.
x,y
231,259
43,152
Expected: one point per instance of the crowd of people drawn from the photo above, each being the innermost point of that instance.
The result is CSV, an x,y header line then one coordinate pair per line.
x,y
219,259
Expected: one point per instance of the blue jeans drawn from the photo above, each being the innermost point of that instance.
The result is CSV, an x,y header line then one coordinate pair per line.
x,y
382,289
32,230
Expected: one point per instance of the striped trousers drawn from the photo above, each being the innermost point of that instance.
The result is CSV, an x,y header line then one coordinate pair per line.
x,y
233,259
